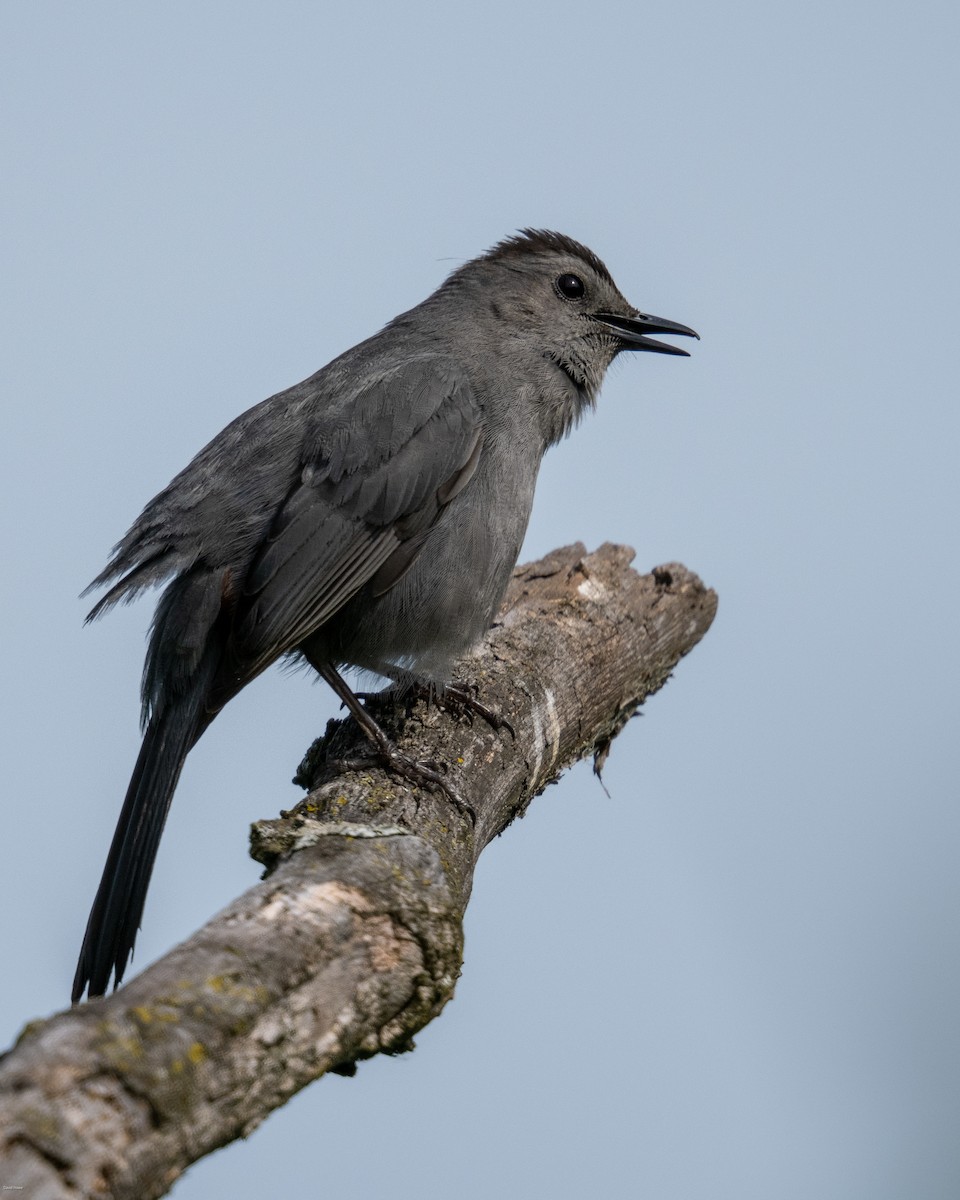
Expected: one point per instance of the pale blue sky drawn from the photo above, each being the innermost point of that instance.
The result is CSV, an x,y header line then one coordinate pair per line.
x,y
737,977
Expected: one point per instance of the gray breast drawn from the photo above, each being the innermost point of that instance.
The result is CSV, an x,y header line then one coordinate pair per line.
x,y
450,595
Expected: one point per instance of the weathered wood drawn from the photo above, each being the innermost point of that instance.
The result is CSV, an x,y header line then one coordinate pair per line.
x,y
352,942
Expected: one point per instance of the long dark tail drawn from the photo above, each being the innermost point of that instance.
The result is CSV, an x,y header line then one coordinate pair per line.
x,y
118,907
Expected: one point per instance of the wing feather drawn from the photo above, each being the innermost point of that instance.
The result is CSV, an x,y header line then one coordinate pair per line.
x,y
362,506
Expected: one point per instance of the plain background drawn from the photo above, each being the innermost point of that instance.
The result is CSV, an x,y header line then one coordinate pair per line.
x,y
736,978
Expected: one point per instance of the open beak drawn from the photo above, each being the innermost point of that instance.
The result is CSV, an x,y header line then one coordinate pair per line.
x,y
633,331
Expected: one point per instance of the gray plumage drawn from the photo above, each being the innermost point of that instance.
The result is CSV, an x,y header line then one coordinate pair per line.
x,y
369,516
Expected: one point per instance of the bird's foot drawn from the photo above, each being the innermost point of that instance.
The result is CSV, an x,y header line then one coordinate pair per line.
x,y
462,700
387,754
422,774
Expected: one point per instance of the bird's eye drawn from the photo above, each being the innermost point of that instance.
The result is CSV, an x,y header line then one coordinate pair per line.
x,y
571,287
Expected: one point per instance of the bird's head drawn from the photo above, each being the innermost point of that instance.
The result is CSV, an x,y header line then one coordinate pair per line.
x,y
543,296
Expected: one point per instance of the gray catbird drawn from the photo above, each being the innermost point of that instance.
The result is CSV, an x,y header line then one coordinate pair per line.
x,y
368,517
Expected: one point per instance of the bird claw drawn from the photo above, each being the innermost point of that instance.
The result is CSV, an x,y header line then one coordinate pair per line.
x,y
415,772
462,699
426,773
387,754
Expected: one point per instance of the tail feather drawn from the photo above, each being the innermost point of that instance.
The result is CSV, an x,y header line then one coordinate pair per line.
x,y
118,906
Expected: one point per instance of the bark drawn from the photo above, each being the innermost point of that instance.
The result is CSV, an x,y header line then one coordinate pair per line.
x,y
352,942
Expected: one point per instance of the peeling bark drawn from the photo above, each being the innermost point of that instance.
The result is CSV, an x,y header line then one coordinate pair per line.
x,y
353,940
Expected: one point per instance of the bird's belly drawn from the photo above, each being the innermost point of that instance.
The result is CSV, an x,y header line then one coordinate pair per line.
x,y
443,605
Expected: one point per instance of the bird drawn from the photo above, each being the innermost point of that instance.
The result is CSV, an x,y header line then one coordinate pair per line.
x,y
368,517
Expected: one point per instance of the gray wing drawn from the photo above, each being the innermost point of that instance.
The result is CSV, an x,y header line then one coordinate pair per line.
x,y
215,511
376,477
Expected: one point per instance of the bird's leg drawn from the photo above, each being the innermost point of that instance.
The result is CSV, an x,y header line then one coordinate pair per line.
x,y
387,753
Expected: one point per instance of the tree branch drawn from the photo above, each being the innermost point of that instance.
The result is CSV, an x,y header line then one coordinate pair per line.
x,y
352,942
